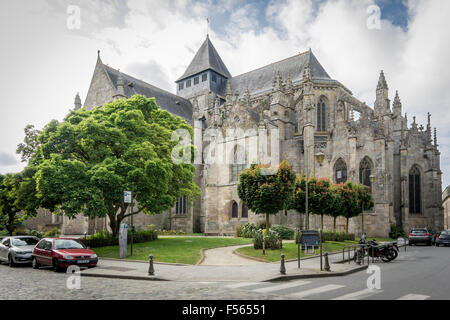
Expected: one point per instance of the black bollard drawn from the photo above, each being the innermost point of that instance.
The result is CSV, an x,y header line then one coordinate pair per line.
x,y
327,263
283,267
151,270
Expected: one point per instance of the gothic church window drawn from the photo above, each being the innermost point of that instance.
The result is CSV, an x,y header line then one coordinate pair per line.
x,y
239,163
234,210
181,205
414,191
244,211
321,115
340,169
365,170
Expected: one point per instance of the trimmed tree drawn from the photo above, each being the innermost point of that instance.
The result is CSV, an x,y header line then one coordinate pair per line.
x,y
84,164
264,191
320,198
337,208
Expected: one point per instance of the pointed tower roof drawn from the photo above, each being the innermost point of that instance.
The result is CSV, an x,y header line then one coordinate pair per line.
x,y
382,84
206,58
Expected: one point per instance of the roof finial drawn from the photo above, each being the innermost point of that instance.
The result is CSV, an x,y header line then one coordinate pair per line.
x,y
98,53
435,138
77,103
207,27
382,84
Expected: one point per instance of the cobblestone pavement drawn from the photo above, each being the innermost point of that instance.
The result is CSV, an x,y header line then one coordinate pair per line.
x,y
418,274
27,283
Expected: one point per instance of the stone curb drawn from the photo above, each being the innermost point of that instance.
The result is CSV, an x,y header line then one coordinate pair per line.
x,y
124,277
318,275
142,261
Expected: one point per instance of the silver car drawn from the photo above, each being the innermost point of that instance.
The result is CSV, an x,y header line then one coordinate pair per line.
x,y
17,250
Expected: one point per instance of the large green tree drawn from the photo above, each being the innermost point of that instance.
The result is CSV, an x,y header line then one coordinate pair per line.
x,y
83,164
9,210
355,197
337,209
264,191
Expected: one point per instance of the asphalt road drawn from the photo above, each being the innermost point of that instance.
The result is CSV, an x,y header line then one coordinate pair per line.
x,y
420,273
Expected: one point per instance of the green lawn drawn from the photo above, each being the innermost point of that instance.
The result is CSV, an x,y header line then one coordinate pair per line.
x,y
176,250
290,250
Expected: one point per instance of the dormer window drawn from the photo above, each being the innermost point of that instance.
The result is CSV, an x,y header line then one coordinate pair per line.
x,y
188,84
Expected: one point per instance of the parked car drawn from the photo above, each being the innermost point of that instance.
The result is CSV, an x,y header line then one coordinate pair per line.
x,y
60,253
422,235
17,250
444,238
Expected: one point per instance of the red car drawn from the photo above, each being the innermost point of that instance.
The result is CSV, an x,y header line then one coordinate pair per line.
x,y
60,253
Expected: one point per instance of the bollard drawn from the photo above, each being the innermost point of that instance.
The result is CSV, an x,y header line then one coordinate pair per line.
x,y
151,270
327,263
283,267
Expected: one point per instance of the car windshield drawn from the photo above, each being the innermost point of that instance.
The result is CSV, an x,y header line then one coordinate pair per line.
x,y
22,242
419,231
68,244
446,233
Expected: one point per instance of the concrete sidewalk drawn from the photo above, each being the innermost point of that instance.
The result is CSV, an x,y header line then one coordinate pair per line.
x,y
310,268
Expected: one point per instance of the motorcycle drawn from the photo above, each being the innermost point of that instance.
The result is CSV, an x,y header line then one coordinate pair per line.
x,y
386,252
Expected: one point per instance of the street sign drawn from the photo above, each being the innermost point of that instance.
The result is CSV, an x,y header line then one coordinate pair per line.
x,y
310,238
127,196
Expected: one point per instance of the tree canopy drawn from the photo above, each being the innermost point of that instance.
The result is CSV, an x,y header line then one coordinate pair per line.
x,y
266,191
83,164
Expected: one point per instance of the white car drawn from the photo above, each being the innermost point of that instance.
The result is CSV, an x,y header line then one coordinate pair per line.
x,y
17,250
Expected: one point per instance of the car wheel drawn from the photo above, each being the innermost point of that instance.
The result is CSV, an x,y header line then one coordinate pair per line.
x,y
11,261
56,266
34,263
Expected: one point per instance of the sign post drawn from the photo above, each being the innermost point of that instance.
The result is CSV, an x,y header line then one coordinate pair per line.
x,y
123,231
128,198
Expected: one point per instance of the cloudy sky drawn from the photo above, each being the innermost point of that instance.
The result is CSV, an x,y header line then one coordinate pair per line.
x,y
47,57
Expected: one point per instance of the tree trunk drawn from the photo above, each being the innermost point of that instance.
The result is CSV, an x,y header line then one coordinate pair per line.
x,y
334,224
267,223
346,226
321,221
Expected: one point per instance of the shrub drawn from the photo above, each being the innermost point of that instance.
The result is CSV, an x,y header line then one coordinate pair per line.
x,y
271,240
396,232
52,233
284,232
20,232
4,233
170,232
105,238
338,236
246,230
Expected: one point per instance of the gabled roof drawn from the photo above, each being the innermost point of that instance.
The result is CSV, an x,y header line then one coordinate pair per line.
x,y
206,58
174,104
261,80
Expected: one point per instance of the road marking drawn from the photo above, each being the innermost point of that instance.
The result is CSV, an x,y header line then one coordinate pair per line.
x,y
358,295
414,297
316,290
242,284
282,286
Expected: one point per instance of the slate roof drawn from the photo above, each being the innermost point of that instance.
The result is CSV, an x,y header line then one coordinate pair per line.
x,y
206,58
174,104
261,80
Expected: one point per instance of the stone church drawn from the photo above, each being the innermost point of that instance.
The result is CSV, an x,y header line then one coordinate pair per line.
x,y
288,110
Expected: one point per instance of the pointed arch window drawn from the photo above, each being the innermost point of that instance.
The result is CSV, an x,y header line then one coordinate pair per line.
x,y
340,171
234,210
181,205
321,115
244,211
239,163
415,199
365,170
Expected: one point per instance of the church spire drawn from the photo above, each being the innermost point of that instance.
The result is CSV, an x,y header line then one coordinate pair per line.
x,y
429,141
382,84
77,103
382,103
397,106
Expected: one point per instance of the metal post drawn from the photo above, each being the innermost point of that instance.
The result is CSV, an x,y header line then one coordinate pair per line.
x,y
151,270
306,206
362,217
327,263
298,247
132,225
320,239
283,267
